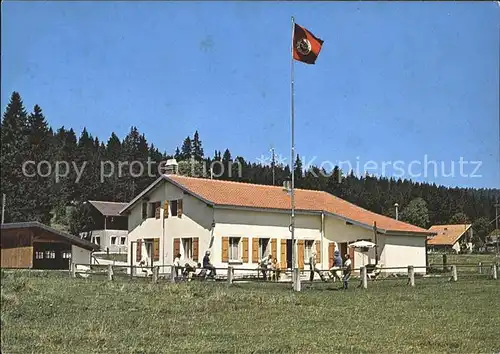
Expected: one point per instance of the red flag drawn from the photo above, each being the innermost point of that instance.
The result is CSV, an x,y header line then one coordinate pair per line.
x,y
306,46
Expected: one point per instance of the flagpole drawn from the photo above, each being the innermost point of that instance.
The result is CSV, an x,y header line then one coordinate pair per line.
x,y
292,167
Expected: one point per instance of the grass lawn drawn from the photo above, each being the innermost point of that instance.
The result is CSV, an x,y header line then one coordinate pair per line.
x,y
47,313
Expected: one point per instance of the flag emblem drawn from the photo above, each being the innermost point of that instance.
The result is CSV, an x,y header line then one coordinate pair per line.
x,y
306,46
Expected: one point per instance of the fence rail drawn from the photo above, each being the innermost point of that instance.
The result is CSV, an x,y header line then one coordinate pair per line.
x,y
231,275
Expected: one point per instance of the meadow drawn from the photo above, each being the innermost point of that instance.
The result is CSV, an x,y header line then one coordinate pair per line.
x,y
46,312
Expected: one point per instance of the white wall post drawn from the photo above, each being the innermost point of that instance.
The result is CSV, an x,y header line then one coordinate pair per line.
x,y
156,272
494,271
454,272
296,277
230,274
480,267
173,273
364,278
411,275
73,270
110,272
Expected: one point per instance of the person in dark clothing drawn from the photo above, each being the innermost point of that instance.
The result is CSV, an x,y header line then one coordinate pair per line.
x,y
207,265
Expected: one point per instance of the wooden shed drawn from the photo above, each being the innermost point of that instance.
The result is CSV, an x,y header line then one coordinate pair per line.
x,y
34,245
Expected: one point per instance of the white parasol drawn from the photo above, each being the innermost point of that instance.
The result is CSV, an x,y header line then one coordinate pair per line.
x,y
362,244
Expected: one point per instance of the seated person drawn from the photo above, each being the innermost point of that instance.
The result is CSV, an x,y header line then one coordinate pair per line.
x,y
207,265
275,267
336,269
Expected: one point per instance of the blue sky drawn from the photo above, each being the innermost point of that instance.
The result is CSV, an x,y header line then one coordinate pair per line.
x,y
394,81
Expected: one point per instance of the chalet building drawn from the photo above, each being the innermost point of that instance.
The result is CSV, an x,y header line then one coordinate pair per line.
x,y
450,238
109,229
240,223
34,245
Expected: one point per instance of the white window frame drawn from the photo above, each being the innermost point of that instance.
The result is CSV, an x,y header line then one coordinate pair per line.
x,y
231,246
39,255
187,246
113,242
123,240
308,250
97,240
66,254
263,252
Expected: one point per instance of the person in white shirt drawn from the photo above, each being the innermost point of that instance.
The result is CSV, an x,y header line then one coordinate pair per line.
x,y
177,264
264,264
313,269
347,270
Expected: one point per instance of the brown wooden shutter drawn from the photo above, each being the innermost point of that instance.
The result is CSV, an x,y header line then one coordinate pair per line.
x,y
165,209
195,249
179,208
157,210
177,247
283,254
300,256
244,256
331,253
351,254
138,252
156,248
225,249
255,250
318,251
274,248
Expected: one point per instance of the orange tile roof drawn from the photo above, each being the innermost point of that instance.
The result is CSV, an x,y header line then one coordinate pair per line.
x,y
447,234
272,197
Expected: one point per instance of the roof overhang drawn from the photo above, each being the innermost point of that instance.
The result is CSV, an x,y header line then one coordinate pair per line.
x,y
235,207
35,224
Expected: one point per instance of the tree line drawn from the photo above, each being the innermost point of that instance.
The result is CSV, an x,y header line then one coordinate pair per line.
x,y
29,137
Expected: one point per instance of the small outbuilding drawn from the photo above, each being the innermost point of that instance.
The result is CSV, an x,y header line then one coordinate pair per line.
x,y
33,245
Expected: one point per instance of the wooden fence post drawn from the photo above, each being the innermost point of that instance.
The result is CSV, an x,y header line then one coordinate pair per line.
x,y
230,274
494,271
454,272
110,272
480,267
173,273
364,277
156,271
411,275
296,277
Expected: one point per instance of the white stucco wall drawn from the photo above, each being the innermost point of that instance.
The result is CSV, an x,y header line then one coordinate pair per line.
x,y
196,221
80,255
402,251
105,240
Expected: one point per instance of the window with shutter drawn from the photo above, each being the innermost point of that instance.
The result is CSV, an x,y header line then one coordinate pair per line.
x,y
138,251
179,208
157,206
177,247
156,249
195,249
318,251
301,254
283,262
331,253
274,248
245,251
255,250
225,249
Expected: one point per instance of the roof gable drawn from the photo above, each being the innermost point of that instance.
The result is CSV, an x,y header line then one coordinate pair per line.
x,y
447,235
108,208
